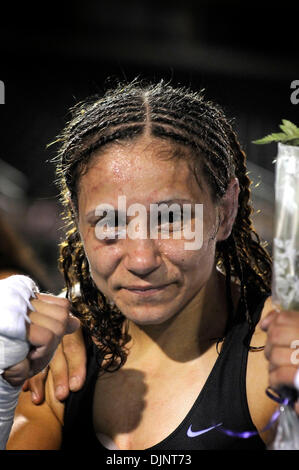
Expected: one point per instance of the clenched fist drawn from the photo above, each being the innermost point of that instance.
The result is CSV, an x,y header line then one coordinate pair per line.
x,y
282,329
50,321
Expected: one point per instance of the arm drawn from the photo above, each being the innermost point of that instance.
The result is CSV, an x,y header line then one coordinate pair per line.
x,y
273,366
261,407
37,427
282,328
40,335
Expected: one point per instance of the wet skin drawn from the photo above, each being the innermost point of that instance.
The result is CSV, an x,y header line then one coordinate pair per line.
x,y
179,279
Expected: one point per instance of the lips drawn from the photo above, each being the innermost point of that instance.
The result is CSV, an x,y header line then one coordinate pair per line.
x,y
145,290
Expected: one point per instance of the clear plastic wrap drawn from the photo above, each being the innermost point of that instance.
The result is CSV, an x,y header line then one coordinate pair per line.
x,y
287,431
285,283
285,288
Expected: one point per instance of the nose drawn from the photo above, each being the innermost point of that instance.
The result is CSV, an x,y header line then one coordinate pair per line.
x,y
142,256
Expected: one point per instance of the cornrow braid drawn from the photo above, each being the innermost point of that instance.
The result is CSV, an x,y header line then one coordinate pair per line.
x,y
183,117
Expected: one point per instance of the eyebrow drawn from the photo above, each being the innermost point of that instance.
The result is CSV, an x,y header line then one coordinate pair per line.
x,y
92,214
165,201
176,200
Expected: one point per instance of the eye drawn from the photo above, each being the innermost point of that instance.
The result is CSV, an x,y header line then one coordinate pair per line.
x,y
107,228
170,220
111,219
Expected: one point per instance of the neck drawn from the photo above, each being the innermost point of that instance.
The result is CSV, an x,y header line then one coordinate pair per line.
x,y
186,335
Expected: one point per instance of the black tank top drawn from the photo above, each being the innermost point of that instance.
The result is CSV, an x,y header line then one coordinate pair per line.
x,y
221,400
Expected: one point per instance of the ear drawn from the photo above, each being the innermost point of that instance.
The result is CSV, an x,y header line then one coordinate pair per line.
x,y
228,209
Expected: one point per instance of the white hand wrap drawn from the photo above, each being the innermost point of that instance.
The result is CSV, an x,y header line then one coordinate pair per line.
x,y
296,380
15,294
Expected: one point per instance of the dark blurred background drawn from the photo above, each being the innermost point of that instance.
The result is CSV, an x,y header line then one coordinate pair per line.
x,y
245,55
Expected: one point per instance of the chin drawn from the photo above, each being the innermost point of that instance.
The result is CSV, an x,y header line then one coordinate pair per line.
x,y
148,321
146,318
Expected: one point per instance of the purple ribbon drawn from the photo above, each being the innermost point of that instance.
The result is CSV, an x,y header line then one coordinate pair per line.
x,y
274,417
247,434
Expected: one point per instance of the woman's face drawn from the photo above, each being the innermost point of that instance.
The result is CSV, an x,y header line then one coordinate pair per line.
x,y
150,280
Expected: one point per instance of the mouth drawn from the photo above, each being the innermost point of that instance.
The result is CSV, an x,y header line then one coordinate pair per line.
x,y
146,291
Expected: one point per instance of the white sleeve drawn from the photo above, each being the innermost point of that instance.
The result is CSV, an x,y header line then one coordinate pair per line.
x,y
15,294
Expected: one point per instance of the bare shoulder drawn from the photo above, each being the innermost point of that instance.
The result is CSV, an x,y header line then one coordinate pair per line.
x,y
261,407
37,427
268,306
259,336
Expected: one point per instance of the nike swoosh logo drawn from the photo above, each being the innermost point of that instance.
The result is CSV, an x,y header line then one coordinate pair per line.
x,y
191,433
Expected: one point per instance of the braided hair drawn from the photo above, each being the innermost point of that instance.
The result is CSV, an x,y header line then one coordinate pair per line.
x,y
186,118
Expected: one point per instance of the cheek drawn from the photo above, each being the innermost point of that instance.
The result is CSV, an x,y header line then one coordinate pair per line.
x,y
190,261
102,261
102,258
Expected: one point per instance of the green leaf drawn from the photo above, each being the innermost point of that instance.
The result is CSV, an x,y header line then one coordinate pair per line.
x,y
290,126
290,134
286,130
279,137
293,137
289,130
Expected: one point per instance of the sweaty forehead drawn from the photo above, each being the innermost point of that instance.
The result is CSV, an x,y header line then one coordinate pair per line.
x,y
146,169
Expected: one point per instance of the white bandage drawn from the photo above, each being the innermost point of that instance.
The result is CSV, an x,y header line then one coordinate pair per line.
x,y
296,380
15,294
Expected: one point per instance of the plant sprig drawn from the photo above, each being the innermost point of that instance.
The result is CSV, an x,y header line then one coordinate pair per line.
x,y
288,136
